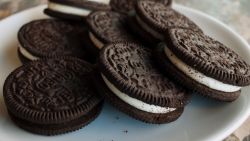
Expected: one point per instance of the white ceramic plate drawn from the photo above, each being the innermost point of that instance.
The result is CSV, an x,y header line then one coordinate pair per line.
x,y
202,120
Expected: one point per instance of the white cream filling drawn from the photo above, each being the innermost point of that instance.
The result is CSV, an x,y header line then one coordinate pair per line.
x,y
137,103
68,9
198,76
101,1
94,40
149,29
26,54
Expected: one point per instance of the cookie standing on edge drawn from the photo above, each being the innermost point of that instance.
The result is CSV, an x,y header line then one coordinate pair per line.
x,y
203,64
107,27
145,37
75,9
49,38
130,81
52,96
128,6
122,6
155,18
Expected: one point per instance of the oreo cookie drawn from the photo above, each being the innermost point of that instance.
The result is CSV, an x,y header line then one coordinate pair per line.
x,y
131,82
49,38
155,18
52,96
128,6
145,37
201,63
107,27
75,9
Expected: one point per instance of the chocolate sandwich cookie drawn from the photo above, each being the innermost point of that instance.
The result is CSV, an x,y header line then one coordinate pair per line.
x,y
49,38
203,64
155,18
128,6
52,96
75,9
133,84
107,27
145,37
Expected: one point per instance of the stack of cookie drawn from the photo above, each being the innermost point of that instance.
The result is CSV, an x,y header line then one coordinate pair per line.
x,y
142,56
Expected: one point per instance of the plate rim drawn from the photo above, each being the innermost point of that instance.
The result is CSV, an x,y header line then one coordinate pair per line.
x,y
226,132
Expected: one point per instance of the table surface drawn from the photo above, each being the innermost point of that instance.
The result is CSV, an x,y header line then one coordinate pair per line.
x,y
234,13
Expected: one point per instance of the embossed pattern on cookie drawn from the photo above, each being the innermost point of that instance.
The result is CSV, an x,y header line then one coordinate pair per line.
x,y
209,56
50,37
126,6
131,68
156,17
52,88
109,26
